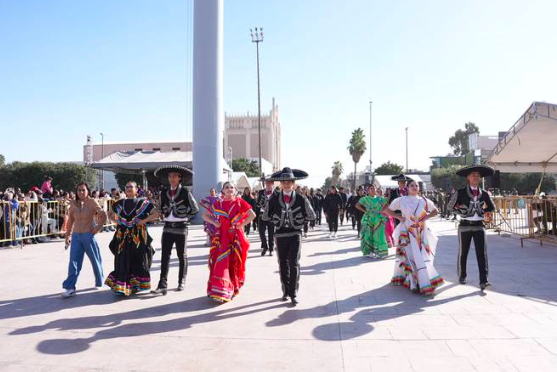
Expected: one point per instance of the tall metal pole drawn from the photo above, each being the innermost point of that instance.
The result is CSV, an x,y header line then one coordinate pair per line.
x,y
370,152
407,170
257,37
102,157
208,110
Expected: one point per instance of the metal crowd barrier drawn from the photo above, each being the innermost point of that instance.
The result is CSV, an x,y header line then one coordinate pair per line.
x,y
530,217
32,220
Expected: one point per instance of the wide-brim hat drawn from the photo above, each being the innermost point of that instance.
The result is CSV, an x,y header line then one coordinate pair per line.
x,y
401,178
287,174
483,170
165,170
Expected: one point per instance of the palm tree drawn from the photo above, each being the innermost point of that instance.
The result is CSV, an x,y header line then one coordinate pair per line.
x,y
357,148
337,171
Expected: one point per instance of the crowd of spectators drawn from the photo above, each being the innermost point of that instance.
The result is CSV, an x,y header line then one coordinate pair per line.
x,y
39,214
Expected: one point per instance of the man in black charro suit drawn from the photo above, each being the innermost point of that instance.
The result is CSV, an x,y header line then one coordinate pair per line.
x,y
177,206
472,203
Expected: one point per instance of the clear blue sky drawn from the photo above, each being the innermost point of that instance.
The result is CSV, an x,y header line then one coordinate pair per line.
x,y
72,68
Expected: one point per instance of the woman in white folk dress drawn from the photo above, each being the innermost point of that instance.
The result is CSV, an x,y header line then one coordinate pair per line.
x,y
416,243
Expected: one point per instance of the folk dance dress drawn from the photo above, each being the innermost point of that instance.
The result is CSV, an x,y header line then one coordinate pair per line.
x,y
131,246
207,203
416,246
389,230
229,250
373,239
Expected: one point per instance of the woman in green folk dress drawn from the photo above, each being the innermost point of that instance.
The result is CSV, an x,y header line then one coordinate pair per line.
x,y
373,241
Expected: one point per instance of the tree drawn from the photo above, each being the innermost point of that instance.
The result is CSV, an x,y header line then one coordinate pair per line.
x,y
250,167
65,176
336,170
2,160
446,178
123,178
459,142
327,184
389,168
357,148
527,183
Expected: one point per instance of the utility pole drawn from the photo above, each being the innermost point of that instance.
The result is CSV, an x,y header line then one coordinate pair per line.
x,y
371,178
207,93
102,157
257,37
407,170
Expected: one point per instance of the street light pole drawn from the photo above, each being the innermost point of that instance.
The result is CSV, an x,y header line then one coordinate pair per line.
x,y
102,157
370,153
257,37
406,149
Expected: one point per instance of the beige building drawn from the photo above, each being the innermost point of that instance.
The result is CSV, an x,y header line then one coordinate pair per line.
x,y
241,137
241,140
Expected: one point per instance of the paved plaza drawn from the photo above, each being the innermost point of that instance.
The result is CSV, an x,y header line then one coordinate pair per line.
x,y
349,317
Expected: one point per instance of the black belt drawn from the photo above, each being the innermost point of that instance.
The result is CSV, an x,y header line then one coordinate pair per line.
x,y
471,223
176,225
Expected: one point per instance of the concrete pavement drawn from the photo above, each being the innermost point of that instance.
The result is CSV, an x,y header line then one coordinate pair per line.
x,y
349,317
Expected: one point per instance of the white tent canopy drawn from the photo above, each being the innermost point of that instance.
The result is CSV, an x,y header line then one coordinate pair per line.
x,y
387,183
530,146
146,160
241,180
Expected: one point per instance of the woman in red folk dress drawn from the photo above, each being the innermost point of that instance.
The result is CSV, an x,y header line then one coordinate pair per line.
x,y
229,246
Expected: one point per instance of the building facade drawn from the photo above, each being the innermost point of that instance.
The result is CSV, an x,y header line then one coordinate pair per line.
x,y
241,139
93,152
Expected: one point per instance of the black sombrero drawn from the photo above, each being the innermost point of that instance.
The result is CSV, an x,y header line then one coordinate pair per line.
x,y
483,170
287,174
401,178
162,172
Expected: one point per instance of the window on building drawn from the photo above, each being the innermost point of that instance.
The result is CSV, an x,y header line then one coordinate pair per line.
x,y
137,149
156,149
175,149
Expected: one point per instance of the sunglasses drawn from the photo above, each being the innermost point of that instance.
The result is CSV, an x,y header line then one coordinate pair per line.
x,y
129,187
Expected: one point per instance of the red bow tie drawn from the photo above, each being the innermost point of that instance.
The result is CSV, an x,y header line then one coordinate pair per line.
x,y
476,192
287,199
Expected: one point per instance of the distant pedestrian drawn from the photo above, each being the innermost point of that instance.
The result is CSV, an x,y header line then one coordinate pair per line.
x,y
266,228
332,206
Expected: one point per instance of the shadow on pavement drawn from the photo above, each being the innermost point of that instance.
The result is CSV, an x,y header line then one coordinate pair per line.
x,y
322,267
112,326
340,251
513,271
361,323
22,307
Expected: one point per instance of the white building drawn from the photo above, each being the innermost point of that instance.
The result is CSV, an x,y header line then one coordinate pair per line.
x,y
481,146
241,137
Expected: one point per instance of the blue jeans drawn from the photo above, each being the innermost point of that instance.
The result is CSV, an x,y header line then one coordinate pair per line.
x,y
83,243
18,234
